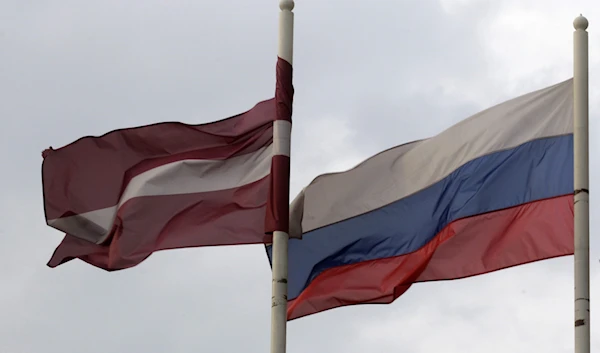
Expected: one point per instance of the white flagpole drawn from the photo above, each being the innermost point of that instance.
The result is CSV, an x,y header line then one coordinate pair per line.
x,y
280,239
581,184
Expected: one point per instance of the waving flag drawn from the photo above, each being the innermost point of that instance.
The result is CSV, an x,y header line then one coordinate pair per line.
x,y
493,191
121,196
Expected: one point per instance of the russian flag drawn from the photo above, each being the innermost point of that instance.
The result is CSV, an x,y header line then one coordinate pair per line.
x,y
491,192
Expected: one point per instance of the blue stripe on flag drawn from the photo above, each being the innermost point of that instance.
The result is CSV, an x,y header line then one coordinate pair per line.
x,y
536,170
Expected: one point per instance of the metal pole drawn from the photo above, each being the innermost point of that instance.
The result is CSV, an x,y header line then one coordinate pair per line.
x,y
280,238
581,184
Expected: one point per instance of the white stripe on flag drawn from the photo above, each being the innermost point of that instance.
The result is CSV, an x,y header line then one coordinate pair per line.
x,y
282,134
181,177
404,170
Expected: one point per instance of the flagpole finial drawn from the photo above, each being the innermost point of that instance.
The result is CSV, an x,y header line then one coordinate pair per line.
x,y
286,5
580,23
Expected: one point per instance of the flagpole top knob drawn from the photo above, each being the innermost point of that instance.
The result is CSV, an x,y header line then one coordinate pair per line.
x,y
580,23
286,5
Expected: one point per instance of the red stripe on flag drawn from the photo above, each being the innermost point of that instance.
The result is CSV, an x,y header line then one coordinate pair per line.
x,y
278,218
467,247
284,90
148,224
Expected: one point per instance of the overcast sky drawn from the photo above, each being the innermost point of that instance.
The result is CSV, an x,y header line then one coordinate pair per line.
x,y
368,75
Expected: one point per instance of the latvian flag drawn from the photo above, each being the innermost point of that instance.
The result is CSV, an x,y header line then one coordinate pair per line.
x,y
130,192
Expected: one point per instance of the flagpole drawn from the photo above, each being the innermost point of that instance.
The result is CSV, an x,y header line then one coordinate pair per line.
x,y
280,238
581,184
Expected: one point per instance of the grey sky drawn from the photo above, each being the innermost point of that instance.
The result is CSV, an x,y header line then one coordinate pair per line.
x,y
368,75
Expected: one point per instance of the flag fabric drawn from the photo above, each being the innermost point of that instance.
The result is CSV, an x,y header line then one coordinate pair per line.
x,y
124,195
491,192
121,196
279,197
